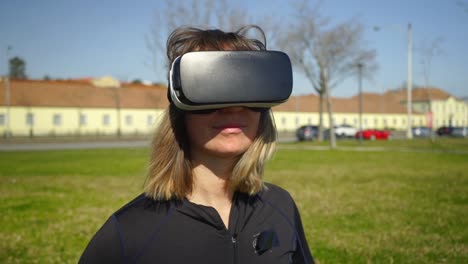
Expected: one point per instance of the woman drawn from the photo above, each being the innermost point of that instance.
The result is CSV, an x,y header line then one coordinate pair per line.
x,y
204,200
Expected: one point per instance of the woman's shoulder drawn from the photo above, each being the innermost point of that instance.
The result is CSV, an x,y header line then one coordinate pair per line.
x,y
277,201
132,222
275,193
142,207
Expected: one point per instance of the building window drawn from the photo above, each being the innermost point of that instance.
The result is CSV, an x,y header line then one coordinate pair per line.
x,y
395,121
376,121
129,120
57,119
149,120
403,121
344,121
355,121
83,119
309,120
30,119
106,120
365,121
283,121
297,121
2,119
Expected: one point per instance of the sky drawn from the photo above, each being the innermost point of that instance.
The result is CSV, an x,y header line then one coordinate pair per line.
x,y
94,38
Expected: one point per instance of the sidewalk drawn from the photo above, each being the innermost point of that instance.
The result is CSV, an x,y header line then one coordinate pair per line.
x,y
89,142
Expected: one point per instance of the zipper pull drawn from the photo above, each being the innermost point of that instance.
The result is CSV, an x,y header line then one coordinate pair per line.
x,y
233,239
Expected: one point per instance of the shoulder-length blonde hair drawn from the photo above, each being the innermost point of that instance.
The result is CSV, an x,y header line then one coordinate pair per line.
x,y
170,168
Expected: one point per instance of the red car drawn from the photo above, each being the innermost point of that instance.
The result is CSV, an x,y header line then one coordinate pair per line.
x,y
374,134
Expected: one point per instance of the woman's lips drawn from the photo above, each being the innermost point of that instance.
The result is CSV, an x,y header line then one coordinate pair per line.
x,y
230,127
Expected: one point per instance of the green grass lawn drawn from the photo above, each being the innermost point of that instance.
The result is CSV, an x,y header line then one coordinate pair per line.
x,y
439,144
357,206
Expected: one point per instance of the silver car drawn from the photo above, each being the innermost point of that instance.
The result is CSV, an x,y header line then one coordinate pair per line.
x,y
459,132
421,131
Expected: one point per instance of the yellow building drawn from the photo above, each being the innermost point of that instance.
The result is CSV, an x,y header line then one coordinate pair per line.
x,y
379,111
106,106
47,108
443,108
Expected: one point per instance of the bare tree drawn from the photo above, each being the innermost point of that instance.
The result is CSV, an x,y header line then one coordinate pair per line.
x,y
203,13
117,101
326,54
428,52
463,5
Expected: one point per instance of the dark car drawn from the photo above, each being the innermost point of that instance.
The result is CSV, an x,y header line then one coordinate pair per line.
x,y
308,132
421,131
444,131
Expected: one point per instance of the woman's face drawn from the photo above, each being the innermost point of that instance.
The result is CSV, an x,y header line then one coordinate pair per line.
x,y
227,132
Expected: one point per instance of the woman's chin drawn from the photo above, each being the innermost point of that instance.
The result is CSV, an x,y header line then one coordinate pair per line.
x,y
230,149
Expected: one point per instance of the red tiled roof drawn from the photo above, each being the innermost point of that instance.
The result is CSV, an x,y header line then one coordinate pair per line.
x,y
371,103
82,94
392,101
420,94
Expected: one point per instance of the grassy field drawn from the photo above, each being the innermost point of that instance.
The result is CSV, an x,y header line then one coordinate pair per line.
x,y
405,204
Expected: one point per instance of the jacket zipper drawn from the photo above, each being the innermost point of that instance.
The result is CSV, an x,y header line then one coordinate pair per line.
x,y
234,247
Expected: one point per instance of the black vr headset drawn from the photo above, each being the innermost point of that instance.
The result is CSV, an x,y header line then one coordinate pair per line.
x,y
206,80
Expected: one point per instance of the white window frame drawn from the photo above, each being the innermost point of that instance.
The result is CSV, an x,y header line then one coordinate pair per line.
x,y
128,120
106,120
30,119
57,119
149,120
83,119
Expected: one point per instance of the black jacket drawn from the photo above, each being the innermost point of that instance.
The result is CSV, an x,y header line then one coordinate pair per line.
x,y
265,228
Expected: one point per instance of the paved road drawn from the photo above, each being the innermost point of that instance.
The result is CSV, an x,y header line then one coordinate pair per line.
x,y
136,143
25,144
73,145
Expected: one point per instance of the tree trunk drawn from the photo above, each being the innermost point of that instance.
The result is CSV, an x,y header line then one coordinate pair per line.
x,y
320,128
330,119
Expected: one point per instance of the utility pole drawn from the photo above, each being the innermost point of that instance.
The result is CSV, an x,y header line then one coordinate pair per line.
x,y
360,65
7,95
409,84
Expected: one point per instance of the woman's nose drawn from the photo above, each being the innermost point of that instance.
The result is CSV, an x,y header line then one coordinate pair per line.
x,y
231,109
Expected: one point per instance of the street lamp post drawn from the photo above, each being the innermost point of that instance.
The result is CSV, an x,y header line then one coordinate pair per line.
x,y
360,65
409,84
7,96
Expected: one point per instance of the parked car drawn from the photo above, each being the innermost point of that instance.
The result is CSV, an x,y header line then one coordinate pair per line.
x,y
344,131
373,134
459,132
307,132
444,131
421,131
347,132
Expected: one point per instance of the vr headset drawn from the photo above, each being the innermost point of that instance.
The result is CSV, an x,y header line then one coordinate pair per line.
x,y
206,80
